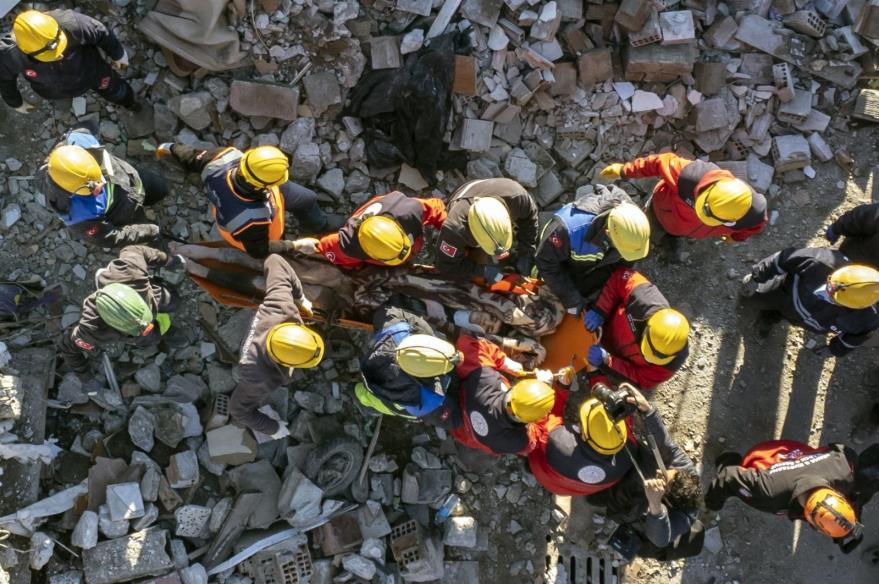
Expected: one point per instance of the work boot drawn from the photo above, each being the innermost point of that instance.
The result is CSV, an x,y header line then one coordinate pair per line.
x,y
765,321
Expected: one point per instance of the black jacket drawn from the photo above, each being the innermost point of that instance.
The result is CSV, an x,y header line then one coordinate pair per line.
x,y
798,273
562,272
132,268
258,374
860,226
81,68
455,240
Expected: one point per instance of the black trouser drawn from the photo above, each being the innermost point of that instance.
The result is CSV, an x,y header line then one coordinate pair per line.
x,y
155,186
302,203
687,545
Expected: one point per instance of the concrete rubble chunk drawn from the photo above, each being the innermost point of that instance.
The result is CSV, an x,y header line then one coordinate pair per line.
x,y
645,101
85,534
124,559
359,566
677,27
807,22
151,514
412,41
632,14
782,77
867,24
306,162
385,52
149,484
520,168
721,32
460,532
124,501
42,547
194,574
658,62
711,115
476,135
443,18
650,33
867,105
108,527
11,394
323,91
194,109
332,181
264,100
420,7
260,477
790,152
299,500
192,521
594,67
182,471
797,110
231,445
142,428
484,12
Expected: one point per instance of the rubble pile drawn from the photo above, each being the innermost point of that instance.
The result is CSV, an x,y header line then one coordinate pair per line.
x,y
155,484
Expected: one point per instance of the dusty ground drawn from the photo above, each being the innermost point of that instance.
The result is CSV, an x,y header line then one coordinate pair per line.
x,y
736,390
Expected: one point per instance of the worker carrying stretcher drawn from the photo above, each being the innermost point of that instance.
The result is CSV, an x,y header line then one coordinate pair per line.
x,y
696,199
644,341
387,230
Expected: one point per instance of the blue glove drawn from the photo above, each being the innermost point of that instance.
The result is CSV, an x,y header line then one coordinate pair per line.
x,y
831,235
597,356
492,274
592,319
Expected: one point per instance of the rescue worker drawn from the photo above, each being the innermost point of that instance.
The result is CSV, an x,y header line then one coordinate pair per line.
x,y
407,370
657,510
98,196
276,344
643,340
498,417
478,233
860,227
822,486
817,289
586,240
250,193
58,54
584,456
130,305
388,230
696,199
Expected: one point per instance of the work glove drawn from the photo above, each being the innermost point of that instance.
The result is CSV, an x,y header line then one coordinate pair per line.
x,y
176,262
544,375
574,310
524,265
513,367
25,108
823,351
305,307
612,171
597,356
493,274
831,235
306,245
121,62
163,150
749,286
592,320
566,375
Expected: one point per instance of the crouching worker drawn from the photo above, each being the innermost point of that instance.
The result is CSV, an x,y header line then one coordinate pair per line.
x,y
98,196
644,341
860,227
820,290
822,486
656,507
386,231
583,457
497,416
407,371
276,344
131,305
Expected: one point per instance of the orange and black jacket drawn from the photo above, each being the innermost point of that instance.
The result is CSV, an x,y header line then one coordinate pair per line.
x,y
674,196
627,301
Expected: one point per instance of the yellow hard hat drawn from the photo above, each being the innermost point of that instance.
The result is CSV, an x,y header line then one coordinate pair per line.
x,y
264,166
384,240
854,286
490,224
73,169
629,231
830,513
599,431
426,356
723,202
664,336
530,400
293,345
38,35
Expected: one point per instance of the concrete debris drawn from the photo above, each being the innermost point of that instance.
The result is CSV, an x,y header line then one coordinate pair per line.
x,y
299,500
123,559
42,547
85,534
183,472
124,501
460,532
192,521
231,445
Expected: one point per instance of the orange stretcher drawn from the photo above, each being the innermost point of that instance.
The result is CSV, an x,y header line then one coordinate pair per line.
x,y
567,346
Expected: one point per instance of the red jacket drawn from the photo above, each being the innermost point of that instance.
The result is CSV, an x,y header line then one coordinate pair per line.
x,y
674,196
627,300
412,214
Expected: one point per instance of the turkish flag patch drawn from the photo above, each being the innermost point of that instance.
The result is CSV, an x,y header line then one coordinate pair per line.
x,y
30,74
555,241
449,250
83,345
92,231
105,83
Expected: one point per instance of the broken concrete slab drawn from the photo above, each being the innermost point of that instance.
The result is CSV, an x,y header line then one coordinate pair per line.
x,y
194,109
632,14
460,532
385,52
192,521
125,501
867,105
182,471
677,27
520,168
791,152
85,534
264,100
595,66
234,525
299,500
139,555
645,101
323,91
231,445
484,12
476,135
258,476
